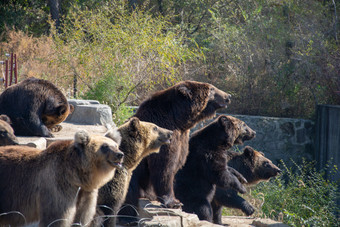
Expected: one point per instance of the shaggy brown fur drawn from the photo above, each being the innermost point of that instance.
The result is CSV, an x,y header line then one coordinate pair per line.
x,y
139,139
255,167
206,167
178,108
34,106
56,185
7,136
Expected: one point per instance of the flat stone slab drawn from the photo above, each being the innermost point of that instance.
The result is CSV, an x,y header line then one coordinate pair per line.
x,y
67,133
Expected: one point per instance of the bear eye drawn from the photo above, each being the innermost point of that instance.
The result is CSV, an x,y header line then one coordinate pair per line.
x,y
3,132
105,148
155,128
266,164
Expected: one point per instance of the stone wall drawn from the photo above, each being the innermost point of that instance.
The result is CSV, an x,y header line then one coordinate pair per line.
x,y
279,138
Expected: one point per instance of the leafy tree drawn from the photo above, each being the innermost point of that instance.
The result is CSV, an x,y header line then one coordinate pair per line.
x,y
117,55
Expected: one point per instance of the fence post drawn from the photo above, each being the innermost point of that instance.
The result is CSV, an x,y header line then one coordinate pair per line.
x,y
327,139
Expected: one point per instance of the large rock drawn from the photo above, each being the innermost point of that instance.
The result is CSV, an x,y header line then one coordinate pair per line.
x,y
90,112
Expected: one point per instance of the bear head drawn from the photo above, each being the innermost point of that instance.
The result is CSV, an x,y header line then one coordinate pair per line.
x,y
139,139
226,131
237,130
7,136
99,154
203,99
183,105
58,115
256,166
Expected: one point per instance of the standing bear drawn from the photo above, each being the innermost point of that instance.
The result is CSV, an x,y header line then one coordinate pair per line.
x,y
255,167
35,107
7,136
206,167
139,139
57,185
178,108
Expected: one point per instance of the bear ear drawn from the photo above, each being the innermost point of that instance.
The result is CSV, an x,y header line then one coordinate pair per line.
x,y
81,138
184,90
5,118
224,121
114,134
134,126
71,108
249,152
227,127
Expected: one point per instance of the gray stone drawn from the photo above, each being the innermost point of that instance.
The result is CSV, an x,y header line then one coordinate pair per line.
x,y
39,143
301,135
288,128
90,112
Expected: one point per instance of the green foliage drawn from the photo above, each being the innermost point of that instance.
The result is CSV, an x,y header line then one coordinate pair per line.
x,y
277,57
25,15
118,55
301,198
270,54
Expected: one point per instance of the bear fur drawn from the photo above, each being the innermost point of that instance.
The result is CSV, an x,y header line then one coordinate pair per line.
x,y
139,139
255,167
7,136
178,108
34,106
206,165
59,184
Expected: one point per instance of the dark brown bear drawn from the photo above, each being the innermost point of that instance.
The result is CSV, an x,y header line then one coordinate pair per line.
x,y
34,106
255,168
7,136
206,165
58,185
178,108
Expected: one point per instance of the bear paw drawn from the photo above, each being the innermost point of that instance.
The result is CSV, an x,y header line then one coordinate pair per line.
x,y
56,128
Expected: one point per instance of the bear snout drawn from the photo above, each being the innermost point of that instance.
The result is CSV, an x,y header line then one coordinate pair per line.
x,y
120,155
116,159
278,171
227,98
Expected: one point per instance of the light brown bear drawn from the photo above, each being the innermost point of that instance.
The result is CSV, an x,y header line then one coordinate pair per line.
x,y
139,139
7,136
58,185
35,107
255,167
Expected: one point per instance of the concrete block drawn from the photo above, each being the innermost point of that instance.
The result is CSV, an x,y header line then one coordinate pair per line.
x,y
267,223
90,112
39,143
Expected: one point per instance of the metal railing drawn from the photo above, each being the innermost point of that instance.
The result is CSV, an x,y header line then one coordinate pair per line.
x,y
9,70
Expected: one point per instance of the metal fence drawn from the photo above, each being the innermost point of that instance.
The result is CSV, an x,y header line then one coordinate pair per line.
x,y
328,140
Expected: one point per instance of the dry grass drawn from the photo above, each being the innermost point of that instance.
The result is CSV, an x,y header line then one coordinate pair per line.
x,y
35,57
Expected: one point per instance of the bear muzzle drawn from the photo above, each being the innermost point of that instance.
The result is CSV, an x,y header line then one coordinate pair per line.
x,y
116,160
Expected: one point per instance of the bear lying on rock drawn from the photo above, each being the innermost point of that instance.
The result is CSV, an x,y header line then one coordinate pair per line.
x,y
206,165
7,136
34,106
178,108
57,185
139,139
255,167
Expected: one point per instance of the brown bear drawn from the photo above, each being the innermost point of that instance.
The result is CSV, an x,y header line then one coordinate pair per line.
x,y
206,166
255,167
34,106
139,139
57,185
178,108
7,136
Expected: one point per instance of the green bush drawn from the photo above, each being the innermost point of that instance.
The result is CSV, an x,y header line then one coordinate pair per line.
x,y
119,56
300,198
